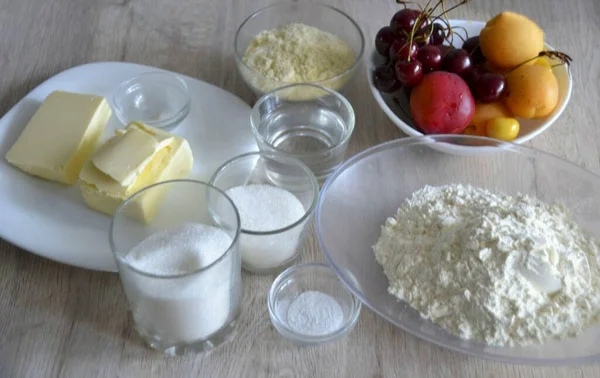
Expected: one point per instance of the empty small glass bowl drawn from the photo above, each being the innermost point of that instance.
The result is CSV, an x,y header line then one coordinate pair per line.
x,y
310,277
158,99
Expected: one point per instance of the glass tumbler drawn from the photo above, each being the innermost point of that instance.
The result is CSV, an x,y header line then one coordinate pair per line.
x,y
181,269
265,249
307,122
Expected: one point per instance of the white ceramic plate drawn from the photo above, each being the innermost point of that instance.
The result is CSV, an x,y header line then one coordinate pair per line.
x,y
528,128
51,219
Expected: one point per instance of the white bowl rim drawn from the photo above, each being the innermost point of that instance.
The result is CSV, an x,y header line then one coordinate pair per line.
x,y
410,131
347,281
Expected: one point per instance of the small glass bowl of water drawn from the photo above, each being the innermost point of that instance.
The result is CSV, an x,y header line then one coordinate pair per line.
x,y
305,121
158,99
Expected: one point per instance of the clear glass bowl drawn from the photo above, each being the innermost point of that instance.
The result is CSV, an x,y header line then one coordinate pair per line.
x,y
323,17
158,99
304,277
369,187
314,129
271,250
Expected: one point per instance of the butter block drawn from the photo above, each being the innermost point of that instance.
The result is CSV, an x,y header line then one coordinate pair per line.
x,y
169,158
126,157
61,136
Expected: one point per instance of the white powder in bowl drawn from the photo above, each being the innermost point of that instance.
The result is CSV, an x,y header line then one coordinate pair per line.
x,y
491,267
267,208
297,53
189,308
315,314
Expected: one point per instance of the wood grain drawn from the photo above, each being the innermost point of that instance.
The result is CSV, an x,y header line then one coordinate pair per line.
x,y
59,321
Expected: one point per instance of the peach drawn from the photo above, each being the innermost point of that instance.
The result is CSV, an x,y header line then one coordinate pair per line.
x,y
509,39
531,91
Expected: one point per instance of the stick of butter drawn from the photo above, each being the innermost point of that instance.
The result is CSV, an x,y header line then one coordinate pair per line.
x,y
136,157
125,158
61,136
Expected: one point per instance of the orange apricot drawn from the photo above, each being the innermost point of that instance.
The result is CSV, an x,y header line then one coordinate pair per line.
x,y
509,39
531,91
485,112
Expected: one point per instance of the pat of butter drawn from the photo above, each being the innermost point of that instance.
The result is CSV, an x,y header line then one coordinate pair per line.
x,y
125,157
61,136
105,194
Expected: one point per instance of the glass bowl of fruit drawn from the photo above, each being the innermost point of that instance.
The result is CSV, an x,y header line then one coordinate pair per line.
x,y
359,197
431,75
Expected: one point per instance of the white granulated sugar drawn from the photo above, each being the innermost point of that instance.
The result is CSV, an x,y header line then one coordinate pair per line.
x,y
188,308
489,267
267,208
314,313
179,250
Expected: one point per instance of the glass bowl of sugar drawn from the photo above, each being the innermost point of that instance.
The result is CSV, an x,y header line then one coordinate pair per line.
x,y
276,196
309,305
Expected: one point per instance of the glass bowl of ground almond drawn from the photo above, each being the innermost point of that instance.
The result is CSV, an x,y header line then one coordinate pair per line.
x,y
493,254
294,42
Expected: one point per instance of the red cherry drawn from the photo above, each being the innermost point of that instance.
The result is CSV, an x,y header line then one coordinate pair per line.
x,y
384,39
385,80
405,19
409,73
438,35
471,45
489,87
430,57
402,49
457,61
473,76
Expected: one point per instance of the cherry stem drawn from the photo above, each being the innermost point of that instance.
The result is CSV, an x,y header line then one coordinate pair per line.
x,y
404,2
436,6
460,36
564,58
445,11
418,22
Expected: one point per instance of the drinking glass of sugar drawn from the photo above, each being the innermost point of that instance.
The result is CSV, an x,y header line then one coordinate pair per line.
x,y
275,196
181,271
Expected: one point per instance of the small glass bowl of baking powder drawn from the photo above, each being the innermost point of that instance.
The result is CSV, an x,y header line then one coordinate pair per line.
x,y
158,98
310,306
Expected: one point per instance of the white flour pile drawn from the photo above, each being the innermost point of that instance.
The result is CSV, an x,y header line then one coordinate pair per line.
x,y
494,268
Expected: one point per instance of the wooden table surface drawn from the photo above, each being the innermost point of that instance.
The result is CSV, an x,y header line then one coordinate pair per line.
x,y
60,321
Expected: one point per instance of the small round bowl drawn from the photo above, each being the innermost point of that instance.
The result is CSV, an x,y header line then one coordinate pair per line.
x,y
306,277
369,187
272,250
323,17
396,106
158,99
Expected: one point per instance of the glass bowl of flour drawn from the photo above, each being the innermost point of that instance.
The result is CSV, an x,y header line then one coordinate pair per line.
x,y
494,255
296,42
